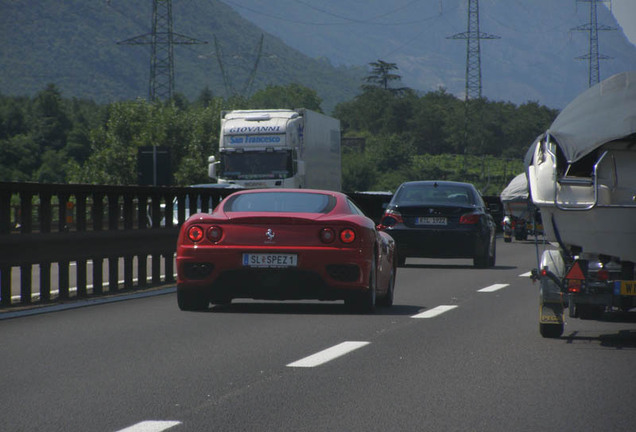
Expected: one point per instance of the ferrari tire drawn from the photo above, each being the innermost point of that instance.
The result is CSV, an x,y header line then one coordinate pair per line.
x,y
365,301
387,299
190,300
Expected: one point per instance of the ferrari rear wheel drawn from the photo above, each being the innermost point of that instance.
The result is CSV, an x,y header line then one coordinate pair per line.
x,y
189,300
364,302
387,299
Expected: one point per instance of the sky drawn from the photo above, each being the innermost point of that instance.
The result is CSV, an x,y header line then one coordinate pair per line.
x,y
625,13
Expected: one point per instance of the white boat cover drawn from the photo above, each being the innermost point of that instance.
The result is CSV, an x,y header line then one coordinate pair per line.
x,y
603,113
517,189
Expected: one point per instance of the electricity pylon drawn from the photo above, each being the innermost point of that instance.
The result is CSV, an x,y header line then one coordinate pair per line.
x,y
593,56
473,50
161,39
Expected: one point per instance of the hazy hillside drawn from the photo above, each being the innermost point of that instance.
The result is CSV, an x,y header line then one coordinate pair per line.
x,y
533,60
72,43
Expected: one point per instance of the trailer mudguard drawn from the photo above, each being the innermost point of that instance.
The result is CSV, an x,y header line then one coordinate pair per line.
x,y
552,272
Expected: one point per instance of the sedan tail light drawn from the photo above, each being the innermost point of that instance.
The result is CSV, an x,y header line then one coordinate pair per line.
x,y
390,218
469,219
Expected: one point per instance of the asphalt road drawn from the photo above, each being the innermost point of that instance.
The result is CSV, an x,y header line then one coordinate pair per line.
x,y
459,351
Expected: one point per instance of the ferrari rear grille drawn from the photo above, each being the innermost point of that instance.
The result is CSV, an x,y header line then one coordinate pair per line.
x,y
343,272
198,270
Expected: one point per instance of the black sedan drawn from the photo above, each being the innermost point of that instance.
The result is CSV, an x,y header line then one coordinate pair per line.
x,y
441,219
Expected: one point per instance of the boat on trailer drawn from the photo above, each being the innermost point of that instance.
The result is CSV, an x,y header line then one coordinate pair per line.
x,y
582,177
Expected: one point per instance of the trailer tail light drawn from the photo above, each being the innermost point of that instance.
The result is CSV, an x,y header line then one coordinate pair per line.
x,y
574,286
195,233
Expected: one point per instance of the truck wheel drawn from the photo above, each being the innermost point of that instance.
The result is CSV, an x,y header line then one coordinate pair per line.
x,y
551,331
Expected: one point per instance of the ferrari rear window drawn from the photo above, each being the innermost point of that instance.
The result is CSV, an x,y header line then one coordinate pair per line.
x,y
285,202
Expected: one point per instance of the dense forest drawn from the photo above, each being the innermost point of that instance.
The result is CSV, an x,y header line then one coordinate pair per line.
x,y
404,136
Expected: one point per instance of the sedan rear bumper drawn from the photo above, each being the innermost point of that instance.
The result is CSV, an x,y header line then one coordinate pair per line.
x,y
437,244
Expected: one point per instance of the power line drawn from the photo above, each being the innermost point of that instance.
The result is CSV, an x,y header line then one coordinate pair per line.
x,y
593,56
161,39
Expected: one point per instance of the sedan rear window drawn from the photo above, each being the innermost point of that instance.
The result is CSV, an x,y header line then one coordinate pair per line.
x,y
434,195
285,202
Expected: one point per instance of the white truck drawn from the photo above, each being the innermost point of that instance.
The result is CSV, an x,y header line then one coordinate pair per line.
x,y
278,148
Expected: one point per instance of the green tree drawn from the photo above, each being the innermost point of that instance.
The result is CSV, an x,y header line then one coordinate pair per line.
x,y
382,76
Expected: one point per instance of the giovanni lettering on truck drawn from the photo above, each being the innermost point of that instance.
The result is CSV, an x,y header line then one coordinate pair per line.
x,y
278,148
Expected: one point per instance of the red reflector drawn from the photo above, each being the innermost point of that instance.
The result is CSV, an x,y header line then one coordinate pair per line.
x,y
347,235
602,275
195,233
575,272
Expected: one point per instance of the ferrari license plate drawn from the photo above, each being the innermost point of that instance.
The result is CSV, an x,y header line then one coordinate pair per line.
x,y
270,260
625,288
431,221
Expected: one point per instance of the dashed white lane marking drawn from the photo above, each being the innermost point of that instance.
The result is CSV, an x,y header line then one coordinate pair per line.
x,y
491,288
328,354
528,274
435,311
151,426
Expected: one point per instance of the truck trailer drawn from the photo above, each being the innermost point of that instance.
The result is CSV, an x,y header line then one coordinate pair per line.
x,y
278,148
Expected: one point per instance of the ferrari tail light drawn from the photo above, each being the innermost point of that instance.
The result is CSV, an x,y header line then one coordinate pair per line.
x,y
327,235
347,235
215,233
391,217
469,219
195,233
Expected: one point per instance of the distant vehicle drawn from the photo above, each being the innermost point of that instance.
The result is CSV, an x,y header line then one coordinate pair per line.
x,y
522,218
283,244
441,219
278,148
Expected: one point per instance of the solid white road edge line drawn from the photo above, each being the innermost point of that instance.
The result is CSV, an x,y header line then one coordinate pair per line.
x,y
328,354
151,426
492,288
435,311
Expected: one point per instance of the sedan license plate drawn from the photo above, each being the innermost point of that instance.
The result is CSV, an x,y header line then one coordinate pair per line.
x,y
270,260
625,288
431,221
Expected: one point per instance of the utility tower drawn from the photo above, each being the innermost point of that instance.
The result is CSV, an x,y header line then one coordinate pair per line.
x,y
161,39
473,50
593,56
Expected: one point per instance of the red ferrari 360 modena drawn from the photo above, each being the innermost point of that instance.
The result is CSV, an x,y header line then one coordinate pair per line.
x,y
280,244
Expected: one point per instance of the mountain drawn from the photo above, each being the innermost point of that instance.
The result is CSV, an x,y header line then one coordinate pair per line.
x,y
73,44
324,45
534,59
